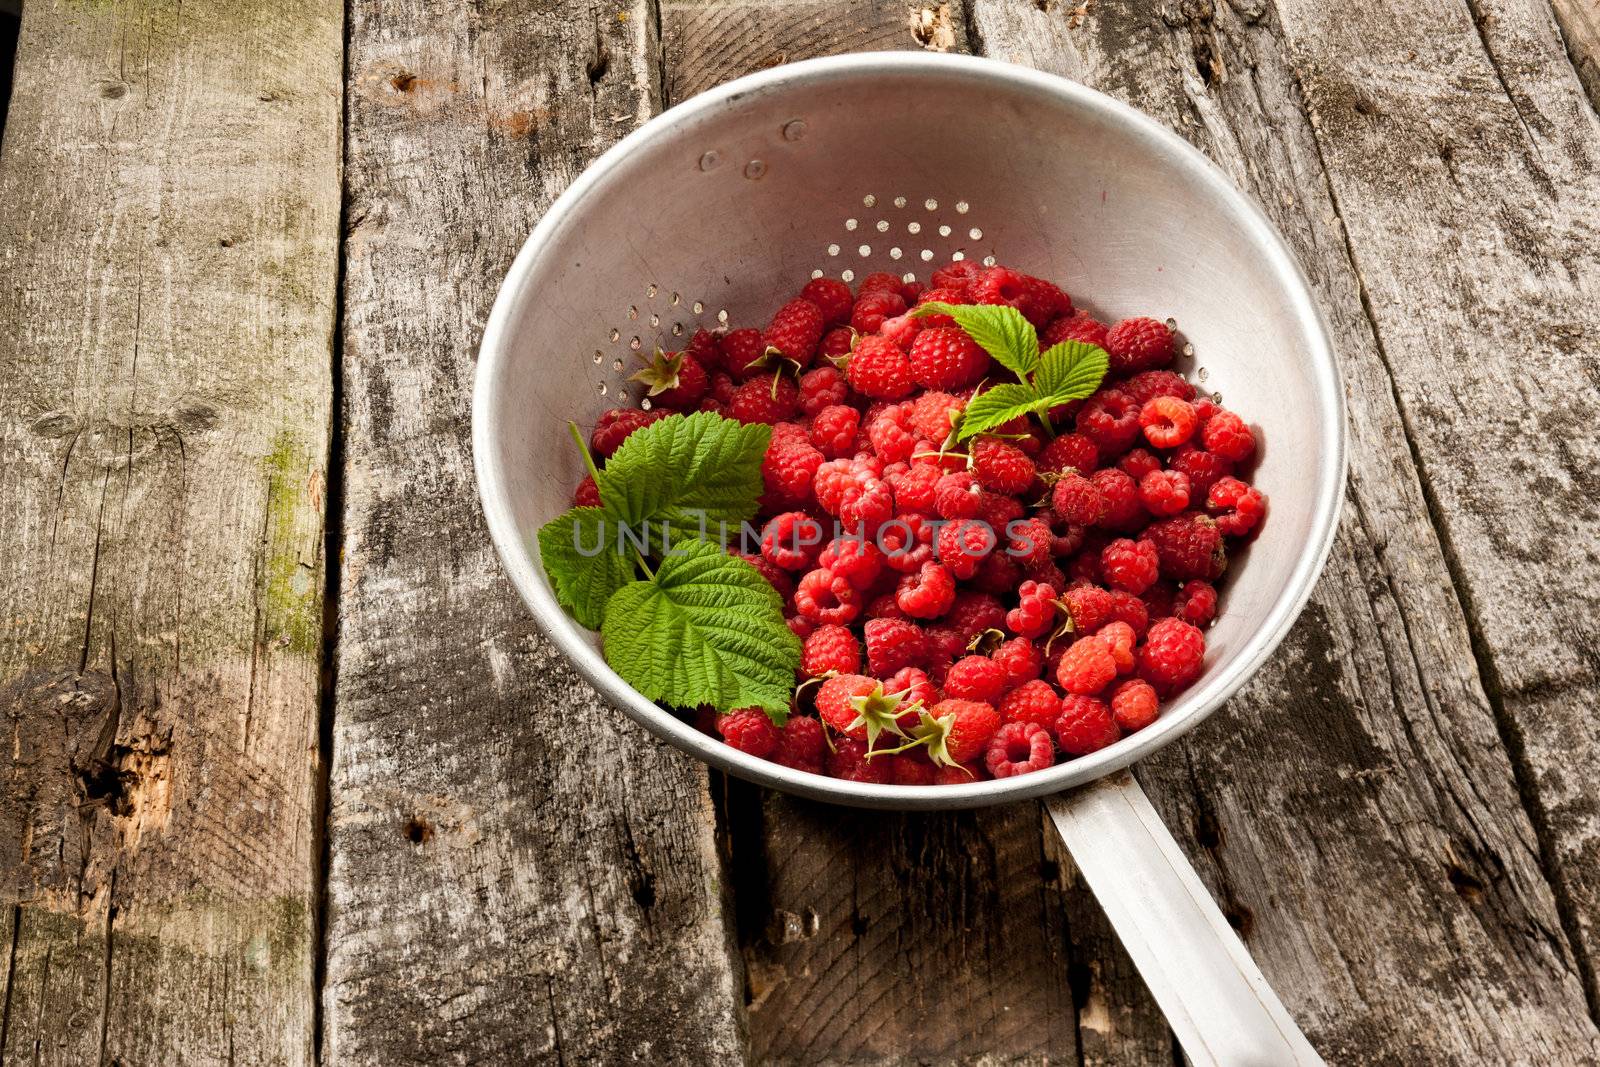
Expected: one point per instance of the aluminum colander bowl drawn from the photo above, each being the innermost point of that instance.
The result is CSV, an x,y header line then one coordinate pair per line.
x,y
720,208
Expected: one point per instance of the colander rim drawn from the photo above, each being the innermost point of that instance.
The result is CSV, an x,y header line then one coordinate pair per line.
x,y
1192,708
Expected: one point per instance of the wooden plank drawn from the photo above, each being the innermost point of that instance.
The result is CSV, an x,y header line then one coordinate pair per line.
x,y
1580,28
517,871
837,913
1355,808
708,42
168,256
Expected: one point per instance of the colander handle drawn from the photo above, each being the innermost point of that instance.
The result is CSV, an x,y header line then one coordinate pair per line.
x,y
1211,991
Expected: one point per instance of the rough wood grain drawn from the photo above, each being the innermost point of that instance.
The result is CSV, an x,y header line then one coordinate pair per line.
x,y
1580,27
497,892
167,275
708,42
1354,809
840,916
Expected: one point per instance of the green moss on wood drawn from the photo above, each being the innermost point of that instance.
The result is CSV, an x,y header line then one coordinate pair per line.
x,y
291,595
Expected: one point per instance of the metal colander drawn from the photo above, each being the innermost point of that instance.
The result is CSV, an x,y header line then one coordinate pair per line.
x,y
719,209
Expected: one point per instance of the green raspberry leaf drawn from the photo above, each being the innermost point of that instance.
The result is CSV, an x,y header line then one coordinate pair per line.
x,y
579,552
708,630
999,329
1071,370
684,467
995,405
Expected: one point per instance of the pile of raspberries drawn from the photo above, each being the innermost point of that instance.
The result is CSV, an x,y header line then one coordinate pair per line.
x,y
979,610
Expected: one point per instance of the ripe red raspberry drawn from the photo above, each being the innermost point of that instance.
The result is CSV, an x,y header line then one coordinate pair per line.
x,y
881,281
857,559
1134,705
999,285
822,387
587,495
749,730
879,368
791,540
910,768
775,575
1034,702
1158,601
928,593
836,479
1202,468
1085,726
1028,541
1036,614
615,426
1089,607
1119,638
945,643
872,308
1023,662
962,545
1164,492
938,295
1226,435
891,435
960,275
914,487
1002,466
906,541
945,358
1196,603
866,511
1076,500
957,496
1079,326
1147,385
1171,656
975,678
1188,546
957,731
1087,666
901,329
1020,747
767,400
1168,422
836,345
830,649
832,298
1236,506
1130,610
833,430
859,708
1110,419
788,469
849,761
933,415
997,510
801,628
722,387
826,598
1130,565
1085,566
997,573
1069,451
960,774
703,347
892,644
915,688
802,744
1119,495
1138,344
676,380
742,352
974,612
1068,537
794,332
1139,462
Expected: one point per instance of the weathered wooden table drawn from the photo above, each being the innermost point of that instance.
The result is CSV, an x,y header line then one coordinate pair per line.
x,y
294,778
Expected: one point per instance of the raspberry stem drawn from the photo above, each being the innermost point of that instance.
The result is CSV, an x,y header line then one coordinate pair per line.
x,y
583,448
